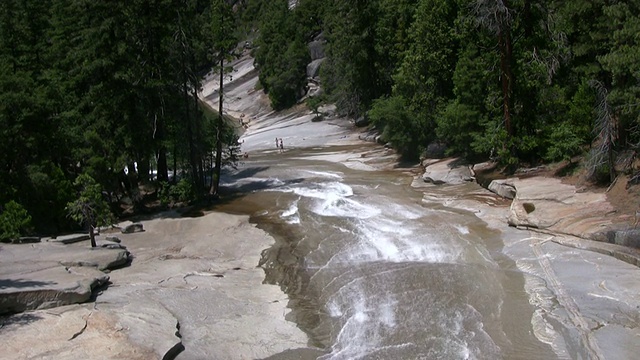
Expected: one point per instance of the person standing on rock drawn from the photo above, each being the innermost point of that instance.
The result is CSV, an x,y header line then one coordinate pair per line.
x,y
276,143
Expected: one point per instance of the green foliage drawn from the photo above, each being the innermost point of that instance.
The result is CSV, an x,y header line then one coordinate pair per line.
x,y
14,221
282,55
90,208
400,126
563,143
314,103
458,123
183,191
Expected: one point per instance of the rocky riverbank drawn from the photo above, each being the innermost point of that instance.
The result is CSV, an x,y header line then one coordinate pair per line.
x,y
193,290
190,288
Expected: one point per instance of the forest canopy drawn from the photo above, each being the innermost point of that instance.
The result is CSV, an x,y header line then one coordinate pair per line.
x,y
94,87
516,80
107,90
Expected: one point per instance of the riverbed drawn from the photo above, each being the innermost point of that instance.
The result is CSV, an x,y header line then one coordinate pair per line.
x,y
377,269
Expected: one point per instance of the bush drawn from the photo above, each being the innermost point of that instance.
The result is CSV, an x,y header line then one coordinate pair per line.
x,y
14,221
400,126
183,191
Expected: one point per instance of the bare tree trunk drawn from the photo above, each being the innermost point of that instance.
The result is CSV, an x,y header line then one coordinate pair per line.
x,y
92,236
506,75
215,188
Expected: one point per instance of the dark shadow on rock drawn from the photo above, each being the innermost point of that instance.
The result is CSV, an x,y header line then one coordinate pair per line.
x,y
98,290
247,172
458,163
567,170
19,319
19,283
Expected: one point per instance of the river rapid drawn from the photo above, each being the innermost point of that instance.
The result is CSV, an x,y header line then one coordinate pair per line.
x,y
374,270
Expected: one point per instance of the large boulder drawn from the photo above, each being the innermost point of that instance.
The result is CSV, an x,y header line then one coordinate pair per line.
x,y
450,172
132,228
47,288
547,203
313,68
435,150
362,121
503,188
49,274
26,240
624,237
71,238
316,49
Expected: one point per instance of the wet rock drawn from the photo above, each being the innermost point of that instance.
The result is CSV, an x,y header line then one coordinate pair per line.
x,y
450,172
133,228
503,188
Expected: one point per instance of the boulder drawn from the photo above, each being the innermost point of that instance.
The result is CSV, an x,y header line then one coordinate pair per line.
x,y
316,49
547,203
435,150
624,237
70,239
313,68
362,121
47,288
450,172
484,166
503,188
132,228
26,240
112,238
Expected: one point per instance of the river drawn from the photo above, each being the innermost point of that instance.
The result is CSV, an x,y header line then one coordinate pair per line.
x,y
378,266
375,271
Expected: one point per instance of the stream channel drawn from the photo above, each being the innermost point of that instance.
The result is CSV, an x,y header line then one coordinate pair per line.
x,y
374,270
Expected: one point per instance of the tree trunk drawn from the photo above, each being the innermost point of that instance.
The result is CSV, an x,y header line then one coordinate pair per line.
x,y
92,236
192,150
215,188
506,75
163,171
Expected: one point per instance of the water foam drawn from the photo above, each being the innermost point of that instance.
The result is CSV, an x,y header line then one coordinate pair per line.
x,y
325,174
384,239
291,214
334,199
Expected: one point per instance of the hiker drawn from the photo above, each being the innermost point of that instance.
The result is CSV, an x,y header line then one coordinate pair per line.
x,y
281,145
276,143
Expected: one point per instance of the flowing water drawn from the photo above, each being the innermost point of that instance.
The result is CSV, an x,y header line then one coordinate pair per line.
x,y
375,272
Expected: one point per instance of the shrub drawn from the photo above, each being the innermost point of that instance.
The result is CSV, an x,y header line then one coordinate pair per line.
x,y
14,221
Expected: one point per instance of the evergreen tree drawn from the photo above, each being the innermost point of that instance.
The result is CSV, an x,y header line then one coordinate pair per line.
x,y
223,25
